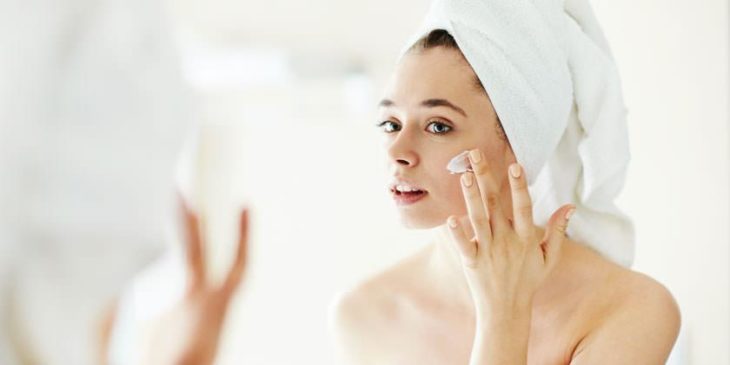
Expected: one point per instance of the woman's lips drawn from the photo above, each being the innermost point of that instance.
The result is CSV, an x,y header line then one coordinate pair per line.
x,y
407,198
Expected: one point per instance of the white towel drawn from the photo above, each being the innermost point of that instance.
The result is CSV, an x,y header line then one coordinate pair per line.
x,y
553,82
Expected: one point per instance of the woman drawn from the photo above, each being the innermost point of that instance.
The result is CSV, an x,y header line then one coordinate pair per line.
x,y
528,89
509,296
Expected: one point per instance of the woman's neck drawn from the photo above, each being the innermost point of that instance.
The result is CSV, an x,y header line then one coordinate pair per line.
x,y
446,272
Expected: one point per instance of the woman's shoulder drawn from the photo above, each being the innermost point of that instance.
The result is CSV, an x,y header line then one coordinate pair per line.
x,y
379,292
643,298
630,308
377,300
622,286
617,287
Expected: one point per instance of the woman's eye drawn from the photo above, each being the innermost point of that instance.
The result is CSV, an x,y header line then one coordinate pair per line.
x,y
438,128
388,126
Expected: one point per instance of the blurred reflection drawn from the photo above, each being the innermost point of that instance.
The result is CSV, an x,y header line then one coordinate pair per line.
x,y
93,113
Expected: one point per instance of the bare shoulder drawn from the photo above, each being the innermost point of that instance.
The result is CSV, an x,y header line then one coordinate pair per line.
x,y
361,315
352,308
641,322
647,304
644,299
375,298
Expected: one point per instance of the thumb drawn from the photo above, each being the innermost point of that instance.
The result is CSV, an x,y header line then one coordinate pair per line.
x,y
555,233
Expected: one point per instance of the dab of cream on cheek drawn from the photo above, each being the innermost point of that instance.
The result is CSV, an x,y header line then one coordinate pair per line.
x,y
459,164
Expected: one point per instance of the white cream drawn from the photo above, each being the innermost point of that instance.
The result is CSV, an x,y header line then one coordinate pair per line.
x,y
460,163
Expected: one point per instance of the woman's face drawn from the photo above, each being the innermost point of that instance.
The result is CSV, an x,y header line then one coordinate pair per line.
x,y
433,110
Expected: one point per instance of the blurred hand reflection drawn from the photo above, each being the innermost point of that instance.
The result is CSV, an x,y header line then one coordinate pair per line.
x,y
190,331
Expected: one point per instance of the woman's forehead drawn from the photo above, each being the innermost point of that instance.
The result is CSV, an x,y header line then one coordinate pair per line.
x,y
437,73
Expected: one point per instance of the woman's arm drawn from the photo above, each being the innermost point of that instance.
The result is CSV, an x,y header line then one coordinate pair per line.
x,y
502,341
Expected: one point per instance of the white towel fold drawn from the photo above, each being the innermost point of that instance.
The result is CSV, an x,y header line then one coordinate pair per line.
x,y
550,75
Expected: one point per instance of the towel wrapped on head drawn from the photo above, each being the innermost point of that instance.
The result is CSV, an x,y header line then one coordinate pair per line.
x,y
552,80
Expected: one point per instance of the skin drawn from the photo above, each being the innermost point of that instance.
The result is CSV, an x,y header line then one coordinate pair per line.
x,y
189,333
492,288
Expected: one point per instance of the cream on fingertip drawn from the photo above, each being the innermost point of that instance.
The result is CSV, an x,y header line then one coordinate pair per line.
x,y
460,163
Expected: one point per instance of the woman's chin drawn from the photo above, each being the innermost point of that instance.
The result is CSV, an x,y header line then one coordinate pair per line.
x,y
411,221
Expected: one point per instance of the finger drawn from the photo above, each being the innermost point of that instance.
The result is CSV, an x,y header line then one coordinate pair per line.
x,y
476,210
521,202
555,233
195,256
467,248
489,190
233,279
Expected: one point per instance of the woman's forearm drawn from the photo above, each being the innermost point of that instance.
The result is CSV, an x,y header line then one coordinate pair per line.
x,y
501,340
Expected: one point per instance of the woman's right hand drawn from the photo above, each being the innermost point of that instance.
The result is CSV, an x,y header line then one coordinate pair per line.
x,y
189,333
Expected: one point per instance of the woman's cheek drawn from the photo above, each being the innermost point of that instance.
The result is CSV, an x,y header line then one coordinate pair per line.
x,y
455,196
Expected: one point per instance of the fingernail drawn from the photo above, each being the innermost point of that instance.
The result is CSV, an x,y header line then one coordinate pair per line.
x,y
475,156
569,213
452,222
466,179
515,170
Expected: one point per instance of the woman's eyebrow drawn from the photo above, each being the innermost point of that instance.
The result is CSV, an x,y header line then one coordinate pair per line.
x,y
430,103
386,103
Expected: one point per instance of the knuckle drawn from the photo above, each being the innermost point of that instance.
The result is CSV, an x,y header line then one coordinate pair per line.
x,y
492,200
520,185
523,190
479,169
473,192
529,234
525,210
478,216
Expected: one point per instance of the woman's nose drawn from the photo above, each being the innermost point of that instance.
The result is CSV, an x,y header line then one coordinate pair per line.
x,y
402,152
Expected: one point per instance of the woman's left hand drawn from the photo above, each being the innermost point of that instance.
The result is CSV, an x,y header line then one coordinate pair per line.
x,y
506,261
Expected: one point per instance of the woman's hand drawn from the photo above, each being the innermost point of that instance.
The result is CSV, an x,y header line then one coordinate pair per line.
x,y
189,333
506,261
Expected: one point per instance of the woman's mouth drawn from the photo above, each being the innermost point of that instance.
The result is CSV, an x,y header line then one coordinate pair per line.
x,y
404,194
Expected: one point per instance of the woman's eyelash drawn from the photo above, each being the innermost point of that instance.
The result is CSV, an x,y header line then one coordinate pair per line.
x,y
384,123
440,123
396,127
